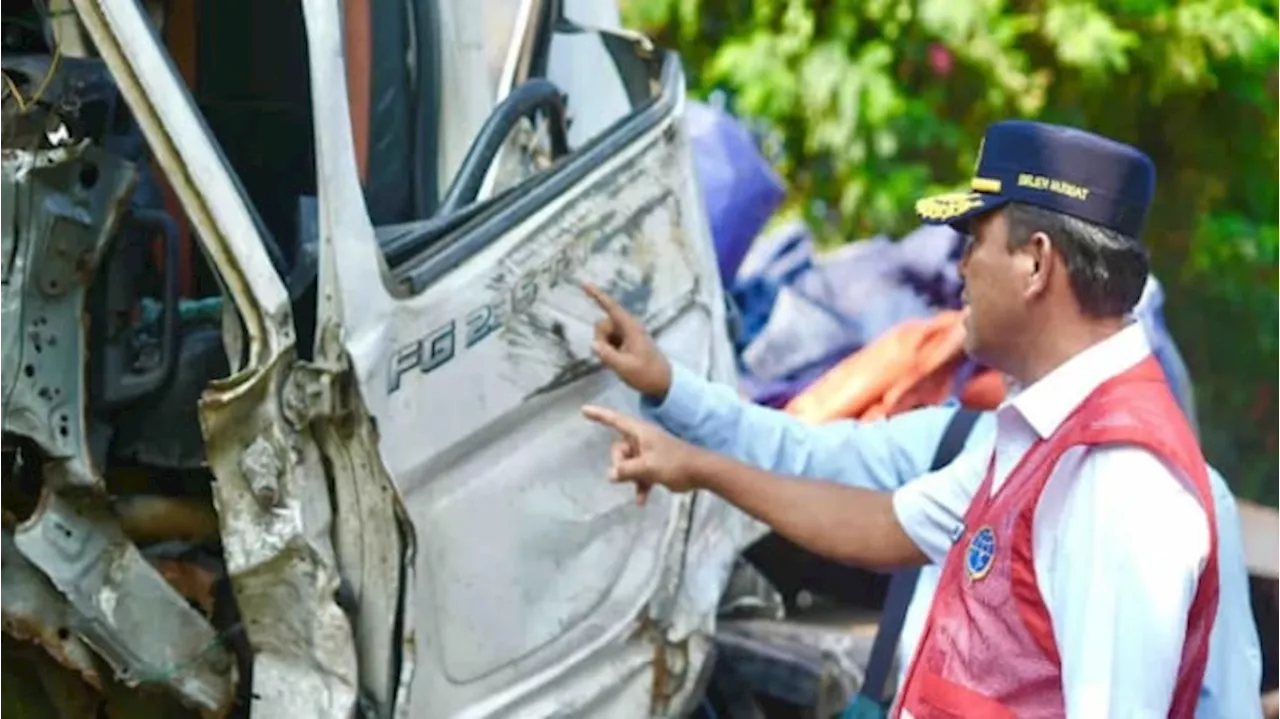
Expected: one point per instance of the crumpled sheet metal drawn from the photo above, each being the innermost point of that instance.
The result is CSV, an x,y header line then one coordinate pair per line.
x,y
34,611
277,523
134,619
75,582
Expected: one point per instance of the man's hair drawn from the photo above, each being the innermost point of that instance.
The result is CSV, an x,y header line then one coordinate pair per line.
x,y
1107,269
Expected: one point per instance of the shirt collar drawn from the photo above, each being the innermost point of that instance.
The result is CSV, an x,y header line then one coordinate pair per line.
x,y
1045,404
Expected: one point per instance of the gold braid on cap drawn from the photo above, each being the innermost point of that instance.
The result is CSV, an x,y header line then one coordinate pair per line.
x,y
945,207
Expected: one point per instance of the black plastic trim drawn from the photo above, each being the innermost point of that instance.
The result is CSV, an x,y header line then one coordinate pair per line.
x,y
535,94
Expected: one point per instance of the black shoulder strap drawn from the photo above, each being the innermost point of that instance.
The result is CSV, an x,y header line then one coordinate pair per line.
x,y
903,583
954,436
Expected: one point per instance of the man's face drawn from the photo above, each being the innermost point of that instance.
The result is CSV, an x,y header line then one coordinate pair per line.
x,y
993,283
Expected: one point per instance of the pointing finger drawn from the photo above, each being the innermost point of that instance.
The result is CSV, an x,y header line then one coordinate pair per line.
x,y
616,312
623,424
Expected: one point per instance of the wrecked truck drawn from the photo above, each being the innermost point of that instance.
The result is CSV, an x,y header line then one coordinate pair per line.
x,y
293,348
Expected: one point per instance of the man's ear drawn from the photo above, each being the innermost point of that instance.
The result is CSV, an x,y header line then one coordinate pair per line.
x,y
1039,251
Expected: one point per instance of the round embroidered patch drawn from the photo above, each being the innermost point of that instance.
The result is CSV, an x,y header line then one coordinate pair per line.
x,y
981,554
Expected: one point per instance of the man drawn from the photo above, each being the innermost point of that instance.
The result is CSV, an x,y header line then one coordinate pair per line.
x,y
1080,572
884,456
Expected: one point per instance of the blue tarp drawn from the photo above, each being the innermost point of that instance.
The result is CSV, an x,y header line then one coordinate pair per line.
x,y
803,312
739,186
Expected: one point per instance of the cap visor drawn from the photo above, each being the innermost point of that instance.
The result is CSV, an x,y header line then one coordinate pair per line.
x,y
957,209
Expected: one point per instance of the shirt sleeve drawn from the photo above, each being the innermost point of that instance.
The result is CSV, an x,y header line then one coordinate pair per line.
x,y
931,509
1119,551
880,455
1234,673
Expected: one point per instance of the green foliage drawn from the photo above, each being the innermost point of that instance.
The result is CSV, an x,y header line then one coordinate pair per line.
x,y
876,102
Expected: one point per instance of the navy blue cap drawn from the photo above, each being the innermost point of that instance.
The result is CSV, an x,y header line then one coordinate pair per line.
x,y
1058,168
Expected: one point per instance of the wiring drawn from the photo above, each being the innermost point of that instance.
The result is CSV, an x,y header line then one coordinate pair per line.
x,y
25,104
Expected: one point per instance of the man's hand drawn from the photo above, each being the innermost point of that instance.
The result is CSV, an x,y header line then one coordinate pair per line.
x,y
624,346
646,455
848,524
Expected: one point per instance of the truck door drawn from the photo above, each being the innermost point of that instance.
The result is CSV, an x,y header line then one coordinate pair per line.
x,y
540,588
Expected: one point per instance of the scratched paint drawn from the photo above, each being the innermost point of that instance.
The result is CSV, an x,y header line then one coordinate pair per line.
x,y
634,250
625,232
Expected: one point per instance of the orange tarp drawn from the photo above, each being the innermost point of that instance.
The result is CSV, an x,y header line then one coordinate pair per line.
x,y
913,365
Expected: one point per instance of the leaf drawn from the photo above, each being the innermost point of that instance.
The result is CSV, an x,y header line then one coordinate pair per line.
x,y
1084,37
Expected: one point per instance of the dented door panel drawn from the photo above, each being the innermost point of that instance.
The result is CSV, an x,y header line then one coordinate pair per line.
x,y
541,589
529,562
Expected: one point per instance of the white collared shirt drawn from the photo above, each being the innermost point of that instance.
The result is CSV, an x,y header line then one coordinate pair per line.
x,y
1119,539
